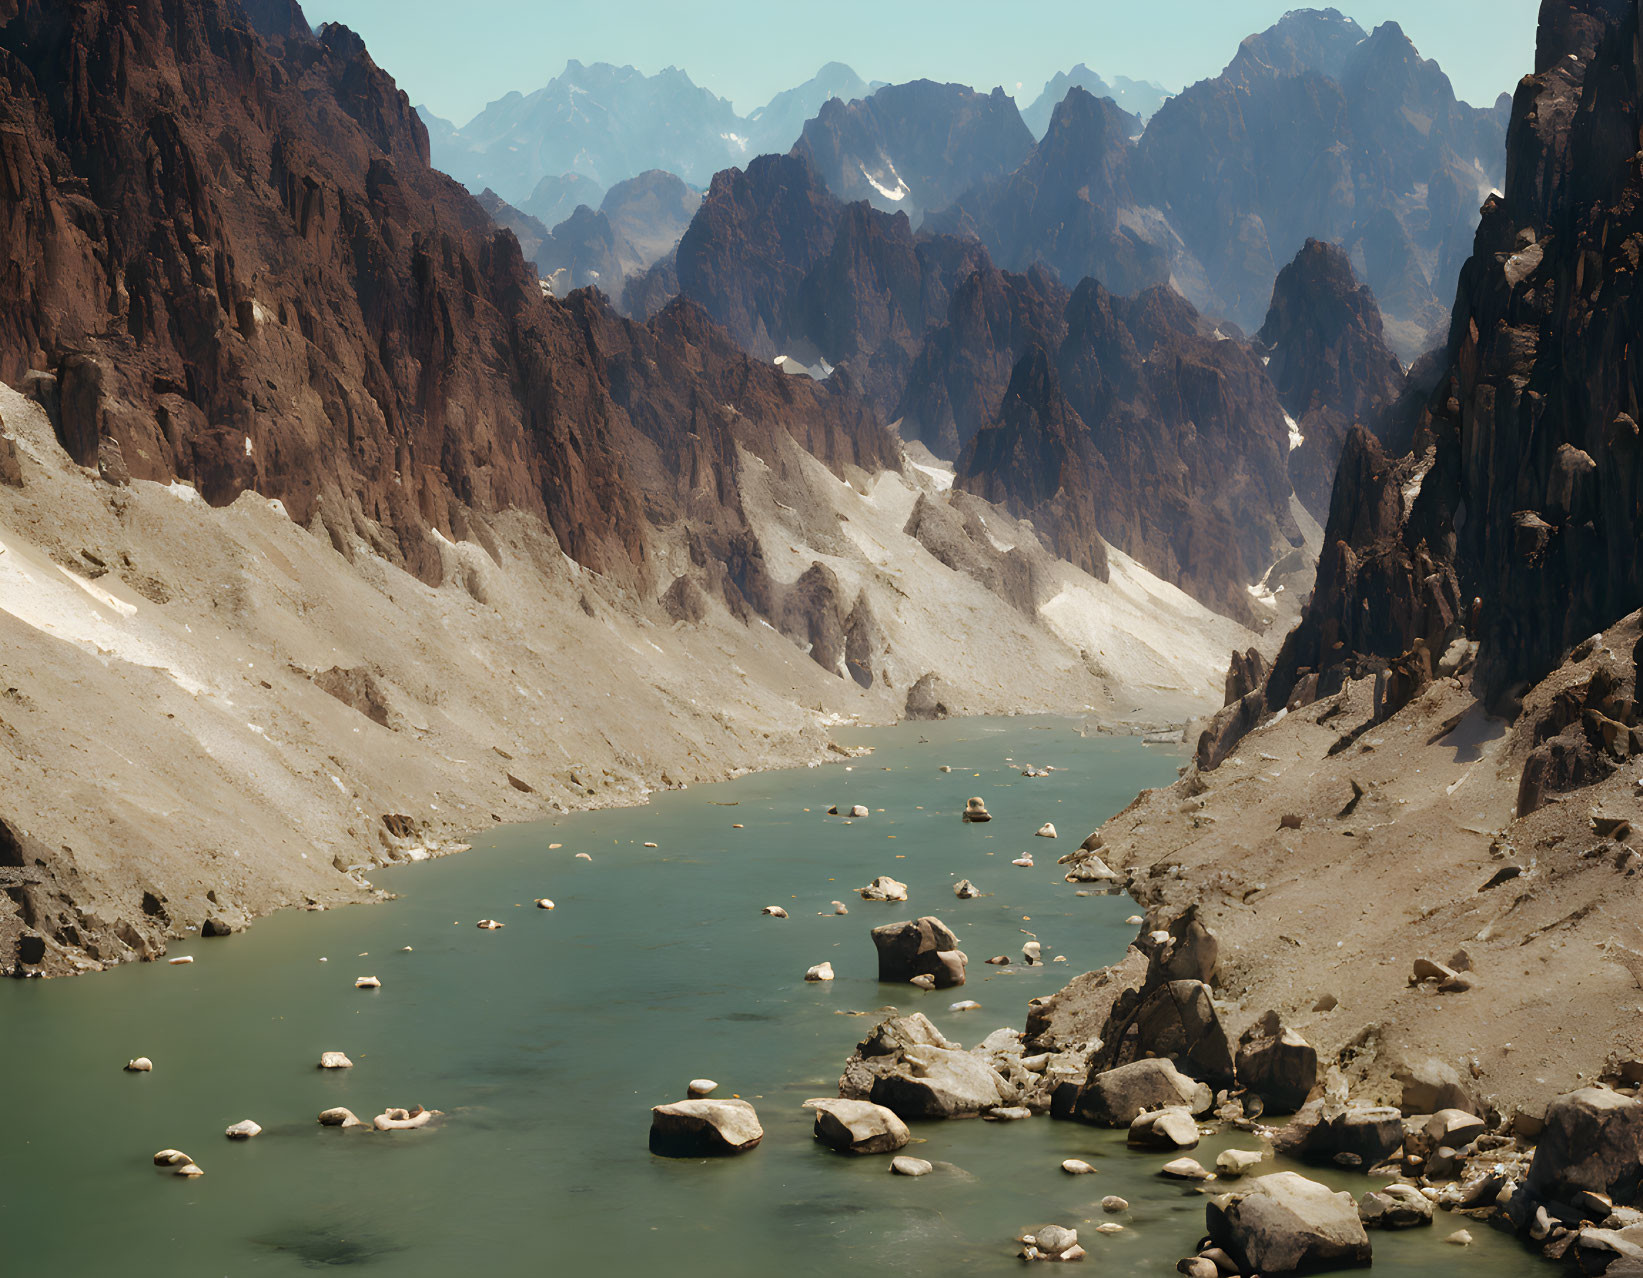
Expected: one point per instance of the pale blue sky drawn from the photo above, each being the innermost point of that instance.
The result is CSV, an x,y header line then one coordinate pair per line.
x,y
457,58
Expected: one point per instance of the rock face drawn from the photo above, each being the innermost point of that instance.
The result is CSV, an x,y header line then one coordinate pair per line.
x,y
1328,359
1140,427
1175,1021
920,947
1593,1140
1286,1224
694,1128
914,147
858,1127
1113,1097
1507,521
1277,1064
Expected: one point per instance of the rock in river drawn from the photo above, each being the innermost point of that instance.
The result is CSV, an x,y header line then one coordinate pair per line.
x,y
1170,1128
920,947
243,1130
1277,1064
1593,1140
858,1126
335,1060
1112,1098
821,972
1285,1224
693,1128
883,888
976,810
907,1066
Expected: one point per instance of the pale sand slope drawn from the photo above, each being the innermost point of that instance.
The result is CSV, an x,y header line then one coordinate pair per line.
x,y
162,733
1345,904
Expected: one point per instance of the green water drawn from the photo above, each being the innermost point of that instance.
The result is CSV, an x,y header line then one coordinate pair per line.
x,y
546,1043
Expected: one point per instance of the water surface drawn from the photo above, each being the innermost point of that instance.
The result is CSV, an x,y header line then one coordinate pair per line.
x,y
546,1043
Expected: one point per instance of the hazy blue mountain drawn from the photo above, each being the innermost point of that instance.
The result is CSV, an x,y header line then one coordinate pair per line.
x,y
1140,98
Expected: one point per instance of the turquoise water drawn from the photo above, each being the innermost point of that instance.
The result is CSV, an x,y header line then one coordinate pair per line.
x,y
545,1044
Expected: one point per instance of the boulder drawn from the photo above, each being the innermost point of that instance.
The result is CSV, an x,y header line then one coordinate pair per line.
x,y
1277,1064
1113,1204
1233,1163
1188,951
923,946
1326,1129
1395,1207
858,811
188,1169
965,890
1052,1240
1045,831
1430,1085
367,983
245,1129
858,1126
1593,1140
700,1087
694,1128
1284,1223
335,1060
1076,1167
339,1117
1184,1169
976,810
774,911
1170,1128
171,1158
907,1066
1176,1020
883,888
543,903
903,1165
141,1065
1112,1098
820,972
1032,953
1087,867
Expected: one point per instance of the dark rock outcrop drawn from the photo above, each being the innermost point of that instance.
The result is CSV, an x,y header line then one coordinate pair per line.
x,y
1328,360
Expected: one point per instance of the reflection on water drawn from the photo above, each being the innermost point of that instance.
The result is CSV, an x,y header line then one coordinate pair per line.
x,y
546,1042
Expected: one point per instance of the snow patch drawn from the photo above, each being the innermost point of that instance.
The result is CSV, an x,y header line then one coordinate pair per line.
x,y
902,190
943,478
1296,439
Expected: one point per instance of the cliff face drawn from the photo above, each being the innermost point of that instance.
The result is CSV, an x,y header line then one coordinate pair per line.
x,y
1328,360
1512,521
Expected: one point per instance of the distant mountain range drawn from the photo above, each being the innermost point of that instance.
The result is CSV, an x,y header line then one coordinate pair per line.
x,y
1141,98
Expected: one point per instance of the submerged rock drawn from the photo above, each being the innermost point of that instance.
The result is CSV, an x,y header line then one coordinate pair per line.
x,y
396,1120
903,1165
694,1128
883,888
339,1117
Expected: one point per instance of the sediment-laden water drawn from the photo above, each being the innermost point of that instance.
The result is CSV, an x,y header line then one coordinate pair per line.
x,y
546,1042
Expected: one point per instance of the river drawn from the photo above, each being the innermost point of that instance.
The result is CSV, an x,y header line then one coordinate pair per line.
x,y
546,1042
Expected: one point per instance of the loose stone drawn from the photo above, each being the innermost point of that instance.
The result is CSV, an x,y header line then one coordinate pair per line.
x,y
821,972
243,1130
902,1165
141,1065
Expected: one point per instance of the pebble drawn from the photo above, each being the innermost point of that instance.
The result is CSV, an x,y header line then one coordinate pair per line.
x,y
583,856
902,1165
1024,861
821,972
490,925
542,903
650,845
245,1129
139,1066
178,962
1076,1167
774,911
367,983
963,1005
1046,831
700,1087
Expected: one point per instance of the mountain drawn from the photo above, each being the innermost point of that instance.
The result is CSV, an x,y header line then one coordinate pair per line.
x,y
1444,760
1327,358
1140,98
776,125
636,225
318,519
915,147
1069,204
1145,429
1314,130
593,127
603,122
